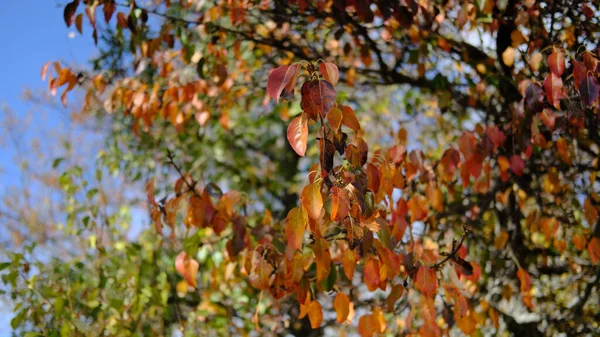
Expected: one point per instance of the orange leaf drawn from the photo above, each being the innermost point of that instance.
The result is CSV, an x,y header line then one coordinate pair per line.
x,y
312,200
334,117
295,223
330,72
525,280
464,316
187,267
367,326
501,240
594,249
349,118
590,212
342,306
371,273
340,204
426,281
579,241
297,134
349,263
315,314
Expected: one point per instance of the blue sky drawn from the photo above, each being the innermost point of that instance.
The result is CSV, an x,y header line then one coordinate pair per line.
x,y
32,33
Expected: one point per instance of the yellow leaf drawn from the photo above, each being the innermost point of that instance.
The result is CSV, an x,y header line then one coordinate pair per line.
x,y
508,56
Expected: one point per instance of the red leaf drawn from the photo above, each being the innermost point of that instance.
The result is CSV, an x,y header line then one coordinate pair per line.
x,y
122,20
517,164
330,72
579,73
556,62
591,63
297,134
554,89
318,97
589,89
280,78
109,9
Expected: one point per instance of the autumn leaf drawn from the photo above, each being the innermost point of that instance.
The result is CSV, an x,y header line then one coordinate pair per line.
x,y
318,97
464,316
69,12
426,281
590,211
280,79
187,267
534,97
367,326
122,20
330,72
394,296
297,134
349,263
554,89
79,23
593,249
295,224
312,200
334,117
349,118
508,56
315,314
341,304
371,273
340,203
109,9
556,62
517,164
589,90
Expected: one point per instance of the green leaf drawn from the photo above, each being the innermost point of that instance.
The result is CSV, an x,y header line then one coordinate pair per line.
x,y
18,319
57,162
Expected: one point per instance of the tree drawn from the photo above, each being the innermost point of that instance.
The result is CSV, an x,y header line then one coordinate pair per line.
x,y
475,210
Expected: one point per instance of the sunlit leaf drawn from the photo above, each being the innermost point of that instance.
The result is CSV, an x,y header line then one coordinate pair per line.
x,y
297,134
312,200
341,304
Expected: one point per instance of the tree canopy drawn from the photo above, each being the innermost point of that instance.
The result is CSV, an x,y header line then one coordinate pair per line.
x,y
370,167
